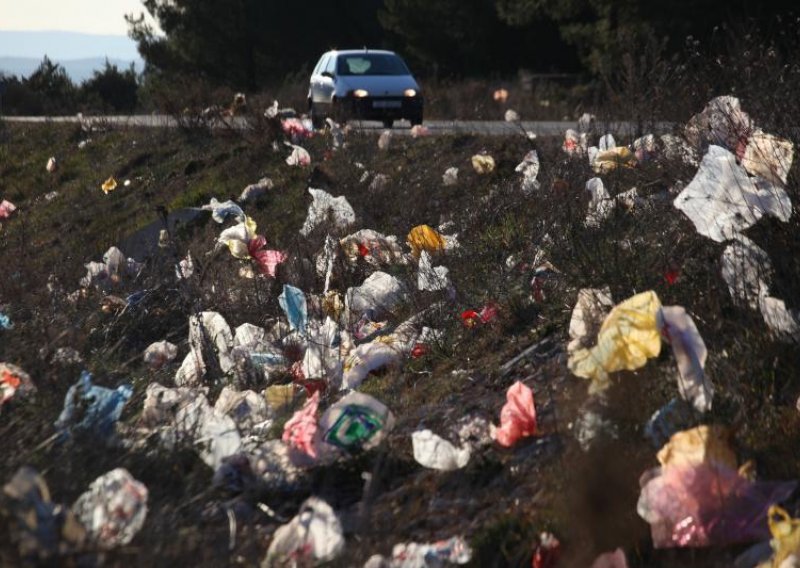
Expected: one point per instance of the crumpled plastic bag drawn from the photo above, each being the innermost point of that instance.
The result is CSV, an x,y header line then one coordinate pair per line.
x,y
113,509
293,303
209,329
356,422
450,176
435,452
52,165
600,204
322,359
385,140
517,417
608,160
247,408
781,320
645,148
5,322
429,277
184,415
237,238
222,210
13,381
483,164
454,550
701,445
109,185
313,536
529,168
380,292
588,314
6,209
628,337
192,369
40,528
706,505
722,123
300,431
298,157
90,408
384,351
690,354
769,157
159,354
747,270
511,116
374,247
574,144
112,270
425,238
256,190
722,200
324,207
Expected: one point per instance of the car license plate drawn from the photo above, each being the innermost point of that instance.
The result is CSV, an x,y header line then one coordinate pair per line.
x,y
386,104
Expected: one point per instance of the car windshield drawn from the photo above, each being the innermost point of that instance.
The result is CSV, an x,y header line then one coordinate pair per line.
x,y
371,64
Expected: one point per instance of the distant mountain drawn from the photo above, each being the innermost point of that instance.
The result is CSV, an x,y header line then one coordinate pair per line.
x,y
78,69
80,54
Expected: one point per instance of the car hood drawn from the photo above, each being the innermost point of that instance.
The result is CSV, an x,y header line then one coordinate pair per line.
x,y
377,85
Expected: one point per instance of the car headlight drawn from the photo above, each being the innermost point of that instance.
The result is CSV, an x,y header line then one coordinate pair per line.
x,y
360,93
410,93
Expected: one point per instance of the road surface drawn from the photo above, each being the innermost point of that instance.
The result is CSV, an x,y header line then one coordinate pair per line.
x,y
540,128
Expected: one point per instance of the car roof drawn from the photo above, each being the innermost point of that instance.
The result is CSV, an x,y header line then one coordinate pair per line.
x,y
357,51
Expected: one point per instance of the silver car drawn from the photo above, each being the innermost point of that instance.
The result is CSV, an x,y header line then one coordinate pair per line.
x,y
363,84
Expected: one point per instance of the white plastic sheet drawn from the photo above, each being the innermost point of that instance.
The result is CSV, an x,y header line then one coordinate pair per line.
x,y
722,200
747,270
314,535
529,168
590,310
429,277
159,354
600,204
434,452
450,176
380,292
325,206
690,354
212,327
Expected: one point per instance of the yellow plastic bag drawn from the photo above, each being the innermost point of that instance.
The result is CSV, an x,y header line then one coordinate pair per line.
x,y
424,238
109,185
483,164
628,337
785,535
612,158
704,444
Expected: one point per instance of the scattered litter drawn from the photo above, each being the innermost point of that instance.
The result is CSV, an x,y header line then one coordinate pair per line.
x,y
511,116
222,210
210,330
300,431
185,268
293,303
690,353
721,123
299,156
109,185
455,550
93,409
159,354
574,144
768,157
372,246
645,148
722,201
67,356
518,416
356,422
6,209
418,131
113,509
608,160
587,316
434,452
423,237
256,190
483,164
325,207
785,538
529,167
52,165
5,322
747,270
450,176
380,292
385,140
628,337
431,278
313,536
14,380
703,444
600,204
247,408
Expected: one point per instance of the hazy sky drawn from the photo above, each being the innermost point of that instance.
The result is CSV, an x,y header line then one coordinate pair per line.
x,y
89,16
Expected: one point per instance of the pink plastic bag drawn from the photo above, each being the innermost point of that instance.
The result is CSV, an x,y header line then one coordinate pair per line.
x,y
301,429
518,416
707,505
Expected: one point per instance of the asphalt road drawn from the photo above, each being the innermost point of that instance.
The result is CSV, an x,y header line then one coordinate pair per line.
x,y
540,128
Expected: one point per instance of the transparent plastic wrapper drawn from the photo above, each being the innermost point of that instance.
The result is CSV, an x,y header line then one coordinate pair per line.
x,y
722,200
324,207
313,536
600,203
90,408
690,353
574,144
222,210
429,277
6,209
322,359
113,509
517,417
483,164
450,176
529,168
385,140
374,247
299,156
722,123
14,382
380,292
159,354
454,550
425,238
588,314
210,328
768,157
256,190
40,528
247,408
434,452
706,505
356,422
293,303
629,336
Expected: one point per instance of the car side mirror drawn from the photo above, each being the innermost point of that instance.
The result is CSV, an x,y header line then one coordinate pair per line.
x,y
327,74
